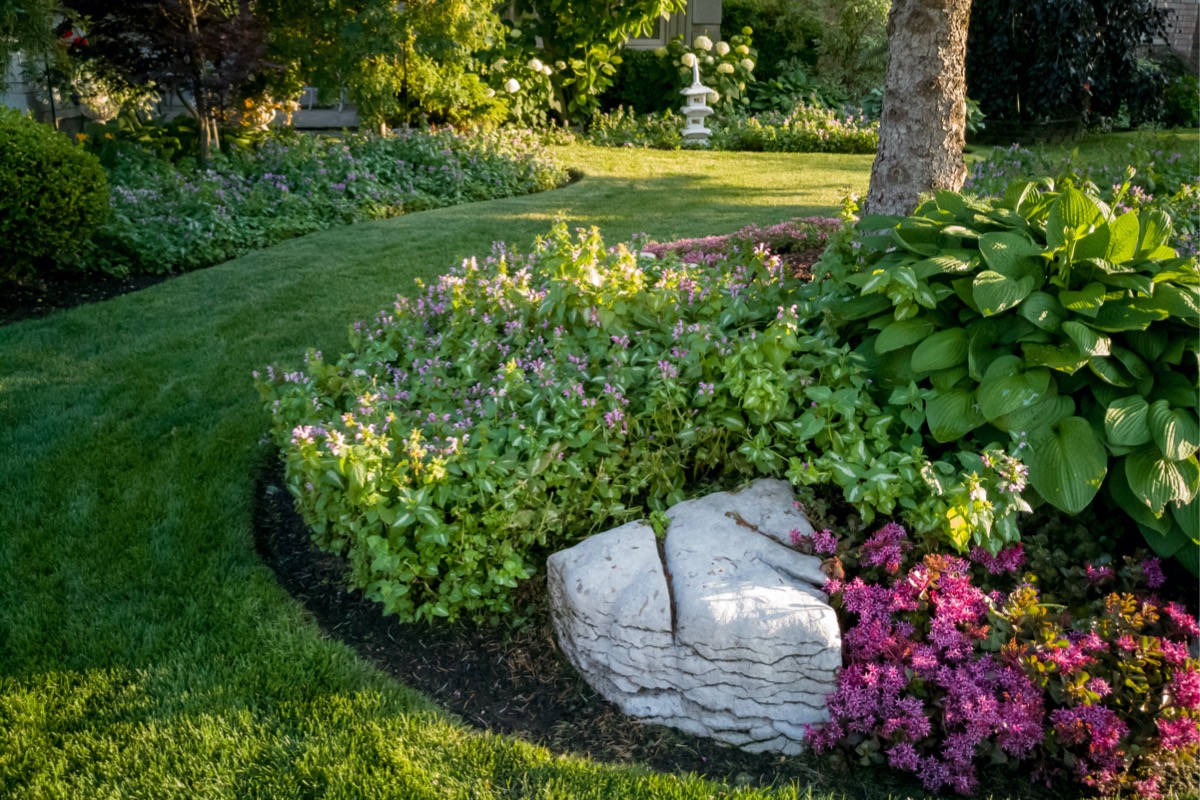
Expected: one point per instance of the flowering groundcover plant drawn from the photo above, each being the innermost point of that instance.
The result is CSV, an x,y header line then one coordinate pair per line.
x,y
952,662
521,403
167,219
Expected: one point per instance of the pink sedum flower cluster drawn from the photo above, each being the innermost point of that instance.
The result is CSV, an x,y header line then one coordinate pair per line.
x,y
943,672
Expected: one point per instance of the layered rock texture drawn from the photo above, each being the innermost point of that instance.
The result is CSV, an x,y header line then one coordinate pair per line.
x,y
719,630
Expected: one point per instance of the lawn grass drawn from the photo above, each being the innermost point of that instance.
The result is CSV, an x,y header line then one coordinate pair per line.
x,y
144,649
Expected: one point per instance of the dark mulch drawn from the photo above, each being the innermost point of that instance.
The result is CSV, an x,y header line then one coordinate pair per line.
x,y
58,292
514,682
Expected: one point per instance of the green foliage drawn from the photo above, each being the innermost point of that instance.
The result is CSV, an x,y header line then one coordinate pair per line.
x,y
586,37
783,32
172,217
399,61
52,195
853,45
643,83
1047,320
521,404
727,67
804,129
794,85
1047,59
1181,98
622,128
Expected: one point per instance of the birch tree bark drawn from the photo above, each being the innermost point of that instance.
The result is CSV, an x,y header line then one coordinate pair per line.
x,y
923,126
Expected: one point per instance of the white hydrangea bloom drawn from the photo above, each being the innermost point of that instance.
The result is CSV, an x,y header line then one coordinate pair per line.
x,y
511,86
702,43
547,71
500,65
661,52
725,69
722,48
688,60
748,64
560,65
714,97
515,33
535,65
743,50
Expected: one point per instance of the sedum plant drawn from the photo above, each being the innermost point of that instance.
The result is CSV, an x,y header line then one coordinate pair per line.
x,y
1045,322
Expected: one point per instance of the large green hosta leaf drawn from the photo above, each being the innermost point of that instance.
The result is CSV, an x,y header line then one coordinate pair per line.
x,y
1125,422
1008,386
1067,464
944,349
1010,254
994,293
1156,480
952,415
1174,429
902,333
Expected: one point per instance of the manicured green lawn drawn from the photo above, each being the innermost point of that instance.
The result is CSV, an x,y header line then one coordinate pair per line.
x,y
144,649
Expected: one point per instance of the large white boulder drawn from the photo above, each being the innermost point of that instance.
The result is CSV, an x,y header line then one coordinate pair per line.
x,y
721,631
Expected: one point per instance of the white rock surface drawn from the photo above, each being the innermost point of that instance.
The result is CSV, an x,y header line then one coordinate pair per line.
x,y
737,644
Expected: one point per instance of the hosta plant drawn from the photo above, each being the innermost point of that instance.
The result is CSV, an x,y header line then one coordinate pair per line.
x,y
1049,324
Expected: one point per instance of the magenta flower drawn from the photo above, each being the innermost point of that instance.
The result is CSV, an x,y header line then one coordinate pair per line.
x,y
1177,734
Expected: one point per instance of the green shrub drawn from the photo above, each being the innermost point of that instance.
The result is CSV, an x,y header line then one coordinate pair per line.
x,y
52,195
643,83
1181,99
1047,321
518,405
626,128
804,130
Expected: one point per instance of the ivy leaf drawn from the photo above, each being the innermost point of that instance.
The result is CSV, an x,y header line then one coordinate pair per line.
x,y
1067,464
995,293
1174,430
1125,422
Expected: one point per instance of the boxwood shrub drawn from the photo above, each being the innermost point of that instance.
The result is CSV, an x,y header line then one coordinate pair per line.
x,y
52,195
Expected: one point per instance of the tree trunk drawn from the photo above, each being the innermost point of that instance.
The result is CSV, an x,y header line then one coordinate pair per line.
x,y
923,127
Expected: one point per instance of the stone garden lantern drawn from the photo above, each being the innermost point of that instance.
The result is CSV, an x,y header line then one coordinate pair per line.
x,y
696,108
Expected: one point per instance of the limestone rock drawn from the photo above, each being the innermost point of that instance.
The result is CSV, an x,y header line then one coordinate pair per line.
x,y
722,631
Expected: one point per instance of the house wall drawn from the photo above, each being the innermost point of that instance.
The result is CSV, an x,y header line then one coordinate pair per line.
x,y
1184,35
700,17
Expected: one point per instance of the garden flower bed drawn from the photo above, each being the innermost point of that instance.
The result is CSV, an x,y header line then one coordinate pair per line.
x,y
522,403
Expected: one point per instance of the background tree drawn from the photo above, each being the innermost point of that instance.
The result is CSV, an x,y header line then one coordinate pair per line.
x,y
585,36
1045,59
922,130
394,59
27,26
205,52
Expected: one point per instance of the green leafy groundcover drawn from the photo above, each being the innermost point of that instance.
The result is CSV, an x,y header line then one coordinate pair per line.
x,y
169,218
